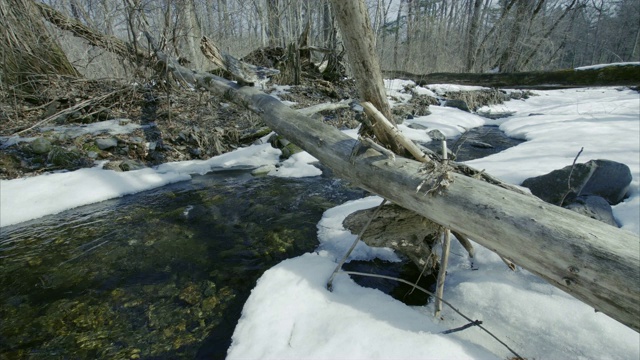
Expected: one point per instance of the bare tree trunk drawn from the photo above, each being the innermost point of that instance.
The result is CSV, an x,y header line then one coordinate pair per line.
x,y
494,28
26,48
192,33
533,52
411,34
396,44
507,61
472,34
327,26
353,19
273,16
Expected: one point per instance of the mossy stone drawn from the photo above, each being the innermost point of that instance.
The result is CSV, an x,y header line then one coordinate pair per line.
x,y
62,157
40,146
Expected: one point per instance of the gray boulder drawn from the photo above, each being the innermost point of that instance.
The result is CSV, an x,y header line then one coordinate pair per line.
x,y
610,180
595,207
605,178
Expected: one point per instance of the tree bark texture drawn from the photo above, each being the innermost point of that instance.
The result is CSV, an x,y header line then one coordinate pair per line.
x,y
627,75
26,48
595,263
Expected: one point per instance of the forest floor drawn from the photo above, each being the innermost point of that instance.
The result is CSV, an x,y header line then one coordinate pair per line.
x,y
165,124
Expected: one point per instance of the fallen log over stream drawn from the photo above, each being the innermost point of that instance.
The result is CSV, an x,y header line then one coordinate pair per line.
x,y
592,261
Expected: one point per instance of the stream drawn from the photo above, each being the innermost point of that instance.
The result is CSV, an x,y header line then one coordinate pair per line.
x,y
163,273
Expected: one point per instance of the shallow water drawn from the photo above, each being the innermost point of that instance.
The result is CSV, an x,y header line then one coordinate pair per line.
x,y
159,274
477,143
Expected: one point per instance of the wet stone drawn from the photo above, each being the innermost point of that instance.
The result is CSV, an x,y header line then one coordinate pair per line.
x,y
106,144
191,294
40,146
69,159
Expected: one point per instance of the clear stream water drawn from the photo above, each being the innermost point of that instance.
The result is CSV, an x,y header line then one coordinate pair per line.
x,y
161,274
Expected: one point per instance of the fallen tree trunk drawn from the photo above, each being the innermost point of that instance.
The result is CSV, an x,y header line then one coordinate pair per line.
x,y
627,75
94,38
596,263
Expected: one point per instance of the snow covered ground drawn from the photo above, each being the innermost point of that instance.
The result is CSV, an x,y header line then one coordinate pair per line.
x,y
290,314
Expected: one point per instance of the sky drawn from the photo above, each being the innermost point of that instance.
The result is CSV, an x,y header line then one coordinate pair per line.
x,y
291,315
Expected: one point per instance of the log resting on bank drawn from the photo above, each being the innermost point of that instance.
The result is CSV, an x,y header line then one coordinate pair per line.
x,y
619,75
595,263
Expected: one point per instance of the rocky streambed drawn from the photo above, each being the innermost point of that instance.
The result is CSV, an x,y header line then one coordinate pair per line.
x,y
159,274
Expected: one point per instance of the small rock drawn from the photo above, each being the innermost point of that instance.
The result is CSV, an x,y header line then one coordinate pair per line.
x,y
40,146
263,170
51,109
209,303
130,165
278,141
92,154
102,114
417,126
210,288
64,158
289,150
61,120
458,104
113,165
86,119
182,137
191,294
105,144
75,117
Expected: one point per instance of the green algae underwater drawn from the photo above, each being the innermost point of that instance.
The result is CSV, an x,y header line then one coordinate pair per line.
x,y
158,274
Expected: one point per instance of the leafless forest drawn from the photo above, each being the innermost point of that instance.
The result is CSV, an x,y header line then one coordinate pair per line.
x,y
418,36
